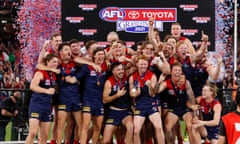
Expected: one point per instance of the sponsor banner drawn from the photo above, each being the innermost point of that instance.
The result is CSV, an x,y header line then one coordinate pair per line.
x,y
189,7
198,43
95,19
201,19
74,19
137,26
113,14
87,7
102,44
135,20
87,32
159,14
189,32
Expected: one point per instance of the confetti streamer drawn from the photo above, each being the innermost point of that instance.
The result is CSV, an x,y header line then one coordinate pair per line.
x,y
38,19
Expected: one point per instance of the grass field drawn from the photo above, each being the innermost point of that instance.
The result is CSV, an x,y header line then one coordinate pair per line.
x,y
9,132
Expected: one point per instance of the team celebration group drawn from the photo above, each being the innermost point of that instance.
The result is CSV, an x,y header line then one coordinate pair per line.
x,y
125,95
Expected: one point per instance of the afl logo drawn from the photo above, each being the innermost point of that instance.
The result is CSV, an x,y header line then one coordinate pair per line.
x,y
133,14
112,14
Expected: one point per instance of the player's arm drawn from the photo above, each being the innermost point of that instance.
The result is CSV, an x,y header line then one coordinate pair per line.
x,y
151,85
191,99
160,86
34,86
107,90
43,52
134,91
81,60
41,66
162,64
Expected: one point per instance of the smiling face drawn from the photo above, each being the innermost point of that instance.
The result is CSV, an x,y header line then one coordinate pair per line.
x,y
118,71
167,50
99,57
182,50
65,53
206,92
176,72
75,48
148,50
142,65
117,48
52,62
56,41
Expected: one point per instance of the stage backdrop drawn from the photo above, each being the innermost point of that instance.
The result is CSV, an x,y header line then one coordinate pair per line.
x,y
93,19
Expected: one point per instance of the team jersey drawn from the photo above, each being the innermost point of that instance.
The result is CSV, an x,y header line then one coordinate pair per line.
x,y
231,122
177,95
207,109
143,101
124,102
66,89
48,81
94,83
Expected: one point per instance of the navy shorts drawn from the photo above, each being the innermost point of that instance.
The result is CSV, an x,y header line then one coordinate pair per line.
x,y
115,117
212,132
73,107
179,110
42,114
93,109
146,112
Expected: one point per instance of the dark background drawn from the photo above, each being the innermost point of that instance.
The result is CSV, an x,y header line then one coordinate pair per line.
x,y
92,20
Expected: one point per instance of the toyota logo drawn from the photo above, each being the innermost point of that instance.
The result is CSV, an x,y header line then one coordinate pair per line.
x,y
133,14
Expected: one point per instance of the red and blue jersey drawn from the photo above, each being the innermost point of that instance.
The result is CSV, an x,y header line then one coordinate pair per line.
x,y
144,100
94,83
68,91
207,109
177,95
43,100
124,102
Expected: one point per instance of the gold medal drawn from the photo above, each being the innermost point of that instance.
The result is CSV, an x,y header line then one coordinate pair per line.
x,y
62,78
134,90
98,82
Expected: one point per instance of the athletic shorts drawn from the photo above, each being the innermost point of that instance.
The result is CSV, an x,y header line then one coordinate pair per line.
x,y
42,114
115,117
145,112
93,109
70,107
179,110
212,132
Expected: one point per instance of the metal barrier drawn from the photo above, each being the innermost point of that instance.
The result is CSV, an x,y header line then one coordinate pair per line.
x,y
228,102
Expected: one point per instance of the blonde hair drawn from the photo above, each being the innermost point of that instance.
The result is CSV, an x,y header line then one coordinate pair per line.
x,y
213,88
